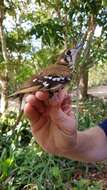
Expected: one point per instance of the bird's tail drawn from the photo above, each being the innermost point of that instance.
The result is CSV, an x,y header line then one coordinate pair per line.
x,y
24,91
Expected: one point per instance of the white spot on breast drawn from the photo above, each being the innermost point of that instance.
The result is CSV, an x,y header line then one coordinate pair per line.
x,y
50,78
34,80
54,79
46,77
58,79
45,84
62,78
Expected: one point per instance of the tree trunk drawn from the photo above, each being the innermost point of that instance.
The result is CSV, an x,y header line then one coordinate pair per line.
x,y
83,84
4,94
4,73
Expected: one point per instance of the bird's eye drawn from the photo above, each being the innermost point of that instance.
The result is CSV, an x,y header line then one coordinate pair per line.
x,y
68,52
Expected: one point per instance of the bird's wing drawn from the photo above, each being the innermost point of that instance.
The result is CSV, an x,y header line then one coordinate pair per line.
x,y
52,70
25,91
50,78
55,70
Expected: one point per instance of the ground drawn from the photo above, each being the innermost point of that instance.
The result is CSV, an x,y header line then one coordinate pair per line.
x,y
100,92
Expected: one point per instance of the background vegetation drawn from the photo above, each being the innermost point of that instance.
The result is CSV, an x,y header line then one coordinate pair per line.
x,y
32,33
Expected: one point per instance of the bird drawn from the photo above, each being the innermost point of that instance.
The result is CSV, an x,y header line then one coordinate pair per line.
x,y
54,76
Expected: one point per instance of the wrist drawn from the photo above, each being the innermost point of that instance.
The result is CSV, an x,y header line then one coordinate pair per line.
x,y
68,145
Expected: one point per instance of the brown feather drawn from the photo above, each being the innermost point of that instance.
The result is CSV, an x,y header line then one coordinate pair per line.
x,y
58,69
55,70
25,90
52,70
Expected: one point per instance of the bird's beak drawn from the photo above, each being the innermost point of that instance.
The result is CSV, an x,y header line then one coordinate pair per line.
x,y
79,46
77,52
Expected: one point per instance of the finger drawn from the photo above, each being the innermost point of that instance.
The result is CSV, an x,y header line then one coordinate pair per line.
x,y
59,99
31,113
36,103
67,100
66,107
62,120
36,127
62,95
42,95
69,111
55,101
37,122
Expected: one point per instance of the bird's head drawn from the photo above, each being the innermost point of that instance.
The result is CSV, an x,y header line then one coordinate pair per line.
x,y
71,55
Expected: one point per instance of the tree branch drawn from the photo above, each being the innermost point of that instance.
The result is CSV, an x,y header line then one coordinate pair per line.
x,y
88,37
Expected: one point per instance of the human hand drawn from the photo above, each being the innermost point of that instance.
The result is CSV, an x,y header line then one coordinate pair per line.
x,y
52,121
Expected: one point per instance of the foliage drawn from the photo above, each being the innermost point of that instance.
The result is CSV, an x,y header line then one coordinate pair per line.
x,y
97,75
86,185
40,29
63,24
24,165
34,31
